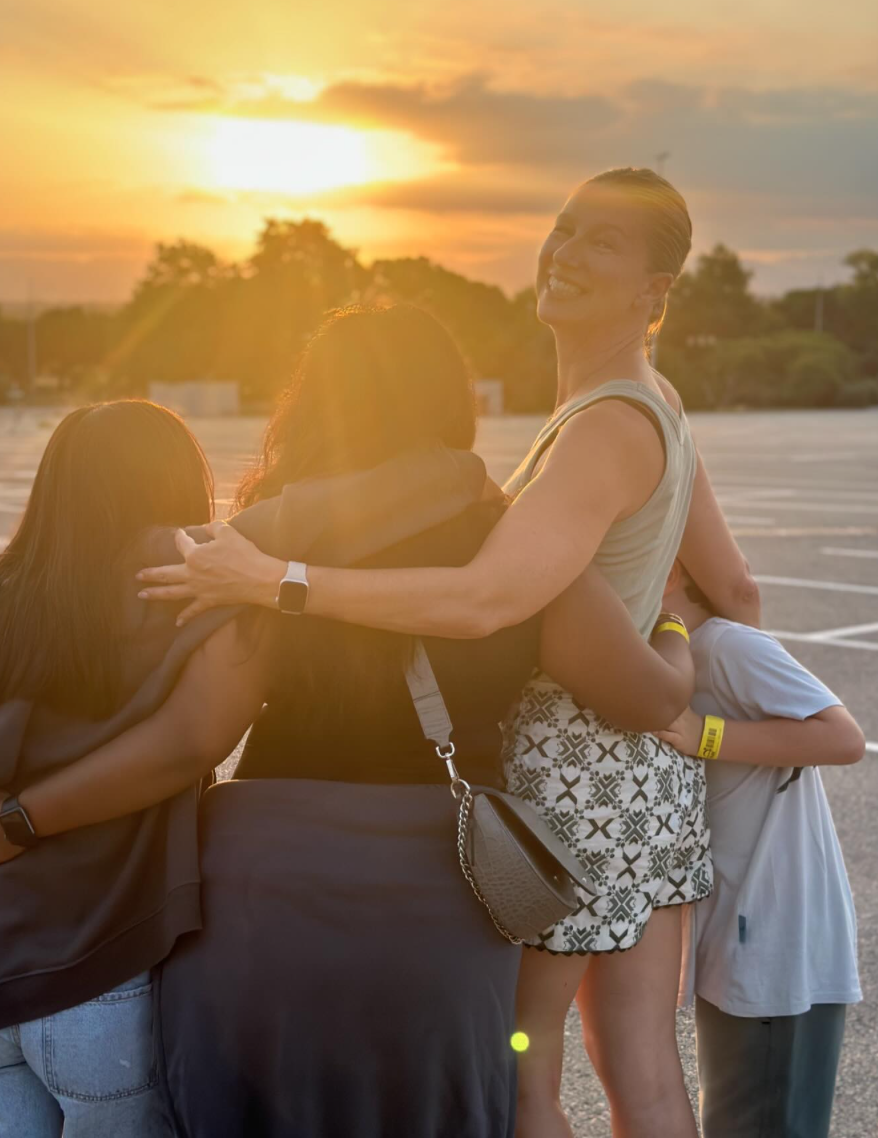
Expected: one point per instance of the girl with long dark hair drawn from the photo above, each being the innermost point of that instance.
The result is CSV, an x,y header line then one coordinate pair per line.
x,y
85,918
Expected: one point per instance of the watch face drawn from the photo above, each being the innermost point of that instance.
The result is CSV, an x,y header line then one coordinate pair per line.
x,y
291,597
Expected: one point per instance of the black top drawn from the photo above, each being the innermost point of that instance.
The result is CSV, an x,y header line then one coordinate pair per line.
x,y
89,909
340,708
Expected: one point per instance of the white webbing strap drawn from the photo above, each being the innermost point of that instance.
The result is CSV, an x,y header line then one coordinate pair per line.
x,y
429,704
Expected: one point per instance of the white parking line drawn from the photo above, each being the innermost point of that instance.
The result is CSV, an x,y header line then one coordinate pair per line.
x,y
808,638
732,481
851,630
806,531
811,507
831,551
830,586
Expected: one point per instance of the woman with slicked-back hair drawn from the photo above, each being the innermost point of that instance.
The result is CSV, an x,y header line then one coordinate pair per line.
x,y
612,486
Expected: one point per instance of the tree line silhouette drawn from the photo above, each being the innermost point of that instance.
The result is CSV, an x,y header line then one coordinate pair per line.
x,y
194,316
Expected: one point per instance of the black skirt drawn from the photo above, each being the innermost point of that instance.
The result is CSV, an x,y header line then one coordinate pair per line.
x,y
347,984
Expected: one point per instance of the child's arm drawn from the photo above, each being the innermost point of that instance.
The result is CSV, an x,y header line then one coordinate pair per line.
x,y
829,738
217,697
590,646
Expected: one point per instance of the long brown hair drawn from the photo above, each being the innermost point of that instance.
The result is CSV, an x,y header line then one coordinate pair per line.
x,y
372,383
109,471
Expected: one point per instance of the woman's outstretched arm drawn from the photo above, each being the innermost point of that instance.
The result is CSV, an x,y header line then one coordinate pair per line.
x,y
603,466
219,694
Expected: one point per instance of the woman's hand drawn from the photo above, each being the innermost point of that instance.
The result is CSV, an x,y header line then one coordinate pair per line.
x,y
229,570
685,733
7,850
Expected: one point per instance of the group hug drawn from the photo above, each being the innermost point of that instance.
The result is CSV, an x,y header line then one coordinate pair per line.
x,y
452,691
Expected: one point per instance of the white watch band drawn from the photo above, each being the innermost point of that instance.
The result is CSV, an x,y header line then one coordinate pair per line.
x,y
296,574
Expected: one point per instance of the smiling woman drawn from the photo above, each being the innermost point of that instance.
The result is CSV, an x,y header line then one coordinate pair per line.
x,y
302,158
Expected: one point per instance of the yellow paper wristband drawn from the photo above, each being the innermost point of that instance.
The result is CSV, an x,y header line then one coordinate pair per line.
x,y
673,626
711,737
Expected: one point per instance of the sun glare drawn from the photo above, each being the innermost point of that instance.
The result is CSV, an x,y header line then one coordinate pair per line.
x,y
291,157
305,158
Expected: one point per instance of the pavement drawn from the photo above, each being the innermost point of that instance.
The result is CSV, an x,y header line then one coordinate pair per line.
x,y
800,490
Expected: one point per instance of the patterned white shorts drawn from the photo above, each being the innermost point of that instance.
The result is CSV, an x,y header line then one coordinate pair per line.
x,y
631,808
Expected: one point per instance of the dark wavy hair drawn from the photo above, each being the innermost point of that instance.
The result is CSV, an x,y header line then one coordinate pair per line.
x,y
108,472
371,383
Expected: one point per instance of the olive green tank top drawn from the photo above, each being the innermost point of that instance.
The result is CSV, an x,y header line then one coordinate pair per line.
x,y
637,552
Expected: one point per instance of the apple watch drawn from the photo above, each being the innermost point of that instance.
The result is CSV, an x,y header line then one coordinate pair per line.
x,y
292,593
16,825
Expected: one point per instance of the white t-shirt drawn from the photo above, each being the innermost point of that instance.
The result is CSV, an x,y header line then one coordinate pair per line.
x,y
779,932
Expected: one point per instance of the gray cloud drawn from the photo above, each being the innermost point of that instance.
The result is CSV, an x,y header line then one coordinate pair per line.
x,y
818,142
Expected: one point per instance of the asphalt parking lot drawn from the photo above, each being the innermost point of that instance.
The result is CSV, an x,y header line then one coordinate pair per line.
x,y
800,490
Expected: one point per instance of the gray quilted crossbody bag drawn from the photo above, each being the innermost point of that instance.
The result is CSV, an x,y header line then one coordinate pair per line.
x,y
520,871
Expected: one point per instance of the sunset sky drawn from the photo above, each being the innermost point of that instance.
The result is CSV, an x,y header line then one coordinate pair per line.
x,y
451,129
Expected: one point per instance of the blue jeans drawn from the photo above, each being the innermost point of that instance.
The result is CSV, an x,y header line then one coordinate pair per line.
x,y
89,1071
768,1078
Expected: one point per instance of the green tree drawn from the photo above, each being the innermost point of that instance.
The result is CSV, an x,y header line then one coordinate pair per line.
x,y
297,274
529,366
781,369
714,300
13,353
479,316
73,343
169,331
858,303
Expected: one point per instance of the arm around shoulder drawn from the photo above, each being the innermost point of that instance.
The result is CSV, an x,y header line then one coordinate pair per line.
x,y
590,646
217,697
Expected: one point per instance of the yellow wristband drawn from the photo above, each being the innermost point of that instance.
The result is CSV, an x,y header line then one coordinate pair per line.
x,y
711,737
672,626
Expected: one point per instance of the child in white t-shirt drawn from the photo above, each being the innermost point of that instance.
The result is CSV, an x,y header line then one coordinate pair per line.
x,y
772,961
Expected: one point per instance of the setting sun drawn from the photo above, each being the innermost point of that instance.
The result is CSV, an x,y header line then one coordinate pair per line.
x,y
289,157
304,158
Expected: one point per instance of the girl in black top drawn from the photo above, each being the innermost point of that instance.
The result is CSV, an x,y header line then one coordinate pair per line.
x,y
346,982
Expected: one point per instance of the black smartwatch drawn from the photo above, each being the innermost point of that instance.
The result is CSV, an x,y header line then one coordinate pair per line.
x,y
292,593
16,825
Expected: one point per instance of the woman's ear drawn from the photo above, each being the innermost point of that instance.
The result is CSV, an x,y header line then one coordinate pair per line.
x,y
657,288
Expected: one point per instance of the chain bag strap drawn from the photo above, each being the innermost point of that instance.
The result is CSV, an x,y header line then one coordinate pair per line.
x,y
517,868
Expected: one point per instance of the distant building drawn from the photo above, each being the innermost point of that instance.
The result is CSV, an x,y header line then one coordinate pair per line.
x,y
205,399
489,396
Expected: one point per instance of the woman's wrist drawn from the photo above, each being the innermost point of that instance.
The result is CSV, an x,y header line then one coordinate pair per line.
x,y
268,572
